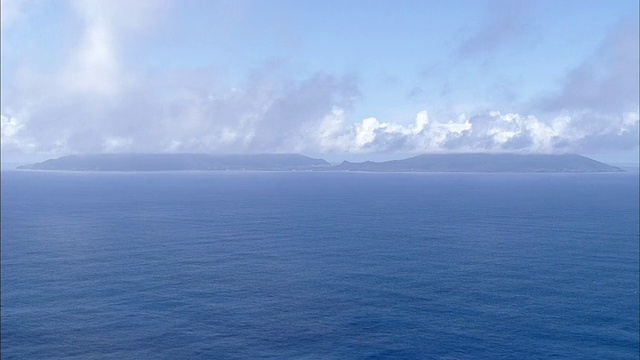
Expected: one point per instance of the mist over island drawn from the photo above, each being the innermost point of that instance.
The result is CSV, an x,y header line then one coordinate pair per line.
x,y
470,162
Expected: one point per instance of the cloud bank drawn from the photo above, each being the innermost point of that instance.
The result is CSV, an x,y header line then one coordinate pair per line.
x,y
310,117
94,103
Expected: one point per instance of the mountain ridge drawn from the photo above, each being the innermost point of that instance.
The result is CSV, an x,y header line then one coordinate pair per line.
x,y
466,162
484,162
177,162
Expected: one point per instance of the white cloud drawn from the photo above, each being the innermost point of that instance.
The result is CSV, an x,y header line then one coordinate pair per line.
x,y
13,136
117,144
94,103
490,132
215,126
95,67
10,128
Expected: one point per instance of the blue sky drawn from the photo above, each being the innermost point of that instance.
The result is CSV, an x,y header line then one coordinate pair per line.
x,y
338,79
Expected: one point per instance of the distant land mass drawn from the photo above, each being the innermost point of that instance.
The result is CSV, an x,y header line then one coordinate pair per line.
x,y
177,162
290,162
485,163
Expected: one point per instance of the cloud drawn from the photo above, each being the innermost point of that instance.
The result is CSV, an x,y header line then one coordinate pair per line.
x,y
605,82
12,138
95,103
96,66
504,23
488,132
300,106
182,112
310,116
10,12
123,17
415,93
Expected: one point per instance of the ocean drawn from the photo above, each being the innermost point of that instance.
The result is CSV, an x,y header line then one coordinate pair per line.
x,y
319,265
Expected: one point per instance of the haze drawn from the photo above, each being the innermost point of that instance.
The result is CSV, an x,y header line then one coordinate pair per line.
x,y
342,80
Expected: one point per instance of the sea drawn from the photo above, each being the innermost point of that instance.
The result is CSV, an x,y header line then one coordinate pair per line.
x,y
319,265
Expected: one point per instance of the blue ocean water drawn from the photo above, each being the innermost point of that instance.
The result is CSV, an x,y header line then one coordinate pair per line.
x,y
235,265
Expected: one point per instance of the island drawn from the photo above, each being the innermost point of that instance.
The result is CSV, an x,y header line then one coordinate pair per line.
x,y
484,163
476,162
178,162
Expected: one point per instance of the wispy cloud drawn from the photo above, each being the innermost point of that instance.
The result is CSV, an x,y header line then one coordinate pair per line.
x,y
502,25
607,81
95,103
169,113
307,116
11,12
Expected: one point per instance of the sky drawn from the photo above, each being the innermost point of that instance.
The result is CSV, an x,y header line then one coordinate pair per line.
x,y
336,79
